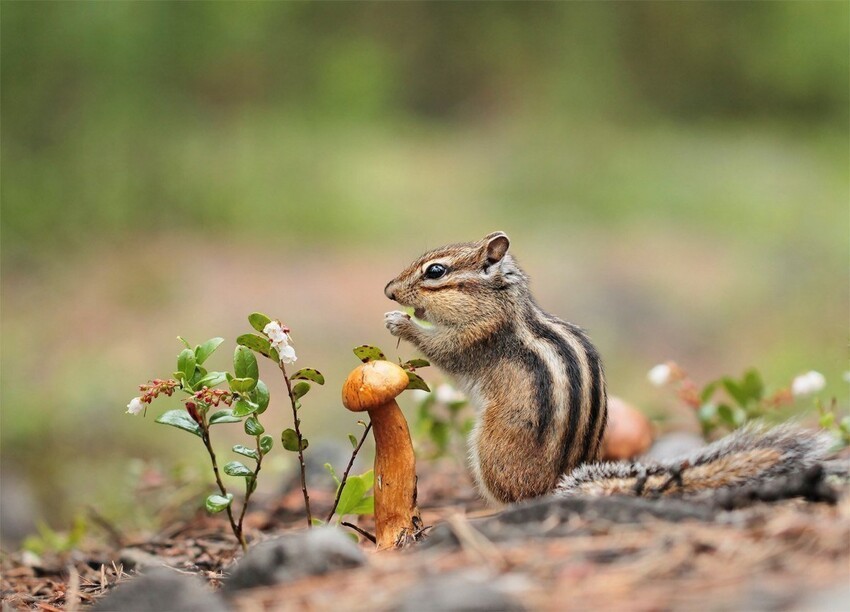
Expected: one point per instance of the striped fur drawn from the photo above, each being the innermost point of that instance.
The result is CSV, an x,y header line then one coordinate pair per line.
x,y
537,382
748,455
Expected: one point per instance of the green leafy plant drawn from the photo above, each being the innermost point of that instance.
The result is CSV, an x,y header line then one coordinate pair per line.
x,y
244,400
729,402
443,420
49,540
830,420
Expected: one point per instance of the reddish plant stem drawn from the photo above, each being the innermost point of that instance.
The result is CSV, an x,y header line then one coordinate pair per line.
x,y
292,401
347,470
251,486
237,529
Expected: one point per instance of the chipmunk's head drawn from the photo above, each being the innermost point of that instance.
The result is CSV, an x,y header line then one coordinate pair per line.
x,y
461,282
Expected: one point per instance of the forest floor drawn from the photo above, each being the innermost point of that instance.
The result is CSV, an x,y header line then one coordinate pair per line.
x,y
617,554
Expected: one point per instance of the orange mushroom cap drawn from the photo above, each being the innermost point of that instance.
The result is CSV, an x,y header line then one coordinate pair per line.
x,y
372,385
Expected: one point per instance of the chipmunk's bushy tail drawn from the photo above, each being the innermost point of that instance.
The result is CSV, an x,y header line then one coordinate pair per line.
x,y
750,455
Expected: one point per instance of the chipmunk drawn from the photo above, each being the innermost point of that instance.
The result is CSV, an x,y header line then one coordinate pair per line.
x,y
538,386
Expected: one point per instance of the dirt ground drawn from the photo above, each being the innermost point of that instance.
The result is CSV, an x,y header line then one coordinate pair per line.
x,y
788,555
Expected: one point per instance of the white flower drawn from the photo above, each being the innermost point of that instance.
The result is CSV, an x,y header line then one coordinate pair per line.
x,y
446,394
280,342
847,377
808,383
275,332
135,406
660,375
286,354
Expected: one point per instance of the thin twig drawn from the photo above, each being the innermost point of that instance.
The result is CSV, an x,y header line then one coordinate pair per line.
x,y
300,445
236,530
251,485
347,470
362,532
473,541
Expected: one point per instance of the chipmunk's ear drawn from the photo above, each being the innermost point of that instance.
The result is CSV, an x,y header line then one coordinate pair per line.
x,y
497,246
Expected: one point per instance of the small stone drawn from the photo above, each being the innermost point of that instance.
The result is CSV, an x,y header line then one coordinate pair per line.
x,y
457,593
674,445
139,560
314,551
161,589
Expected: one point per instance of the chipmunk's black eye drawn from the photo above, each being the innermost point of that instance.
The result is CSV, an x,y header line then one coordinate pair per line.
x,y
435,271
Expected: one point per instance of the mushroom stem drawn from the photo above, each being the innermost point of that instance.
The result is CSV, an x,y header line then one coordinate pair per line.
x,y
396,514
373,387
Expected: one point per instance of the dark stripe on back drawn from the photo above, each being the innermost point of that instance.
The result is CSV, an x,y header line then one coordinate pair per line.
x,y
568,356
598,408
542,392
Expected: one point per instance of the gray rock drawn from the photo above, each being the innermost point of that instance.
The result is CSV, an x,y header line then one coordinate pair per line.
x,y
456,593
159,590
139,560
314,551
673,445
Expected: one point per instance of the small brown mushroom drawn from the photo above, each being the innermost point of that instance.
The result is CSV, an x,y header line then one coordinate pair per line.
x,y
373,387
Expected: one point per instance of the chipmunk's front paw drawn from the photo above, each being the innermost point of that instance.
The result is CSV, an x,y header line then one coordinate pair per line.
x,y
397,321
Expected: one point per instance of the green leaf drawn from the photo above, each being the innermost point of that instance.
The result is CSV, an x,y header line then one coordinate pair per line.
x,y
353,440
253,427
752,384
266,443
237,468
300,390
368,479
412,364
203,351
239,449
827,420
440,434
317,522
332,472
258,344
416,381
181,420
217,503
289,439
186,364
241,385
245,365
261,396
183,340
309,374
366,353
211,379
732,416
354,492
244,407
708,391
258,321
735,391
223,416
366,506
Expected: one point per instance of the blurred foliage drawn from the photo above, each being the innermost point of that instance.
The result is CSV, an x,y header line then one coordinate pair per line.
x,y
673,175
121,116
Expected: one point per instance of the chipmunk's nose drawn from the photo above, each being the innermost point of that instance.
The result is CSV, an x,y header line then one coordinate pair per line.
x,y
389,290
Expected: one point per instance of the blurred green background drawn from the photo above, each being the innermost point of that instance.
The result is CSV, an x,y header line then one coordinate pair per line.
x,y
674,177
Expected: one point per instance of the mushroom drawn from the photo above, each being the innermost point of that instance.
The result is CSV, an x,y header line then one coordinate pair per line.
x,y
373,387
628,434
